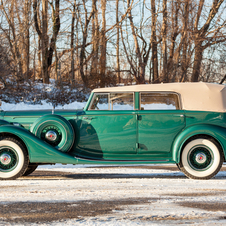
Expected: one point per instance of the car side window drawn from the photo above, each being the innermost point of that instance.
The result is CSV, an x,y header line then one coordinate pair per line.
x,y
100,102
121,101
112,101
159,101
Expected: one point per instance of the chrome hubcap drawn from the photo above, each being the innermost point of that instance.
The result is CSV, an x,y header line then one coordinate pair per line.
x,y
200,158
51,136
5,159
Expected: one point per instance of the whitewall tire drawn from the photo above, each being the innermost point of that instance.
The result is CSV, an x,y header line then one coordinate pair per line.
x,y
201,159
13,158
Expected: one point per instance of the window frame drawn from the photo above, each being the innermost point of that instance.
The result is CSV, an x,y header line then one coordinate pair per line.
x,y
109,104
161,92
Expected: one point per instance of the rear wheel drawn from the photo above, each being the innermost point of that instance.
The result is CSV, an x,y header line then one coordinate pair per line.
x,y
13,158
201,159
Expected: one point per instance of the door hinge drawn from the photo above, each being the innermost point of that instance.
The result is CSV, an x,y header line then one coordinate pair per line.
x,y
139,117
137,145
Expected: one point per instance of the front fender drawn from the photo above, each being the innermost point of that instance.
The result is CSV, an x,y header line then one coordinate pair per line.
x,y
3,122
39,151
217,132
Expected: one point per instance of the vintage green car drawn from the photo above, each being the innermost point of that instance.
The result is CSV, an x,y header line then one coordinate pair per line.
x,y
180,123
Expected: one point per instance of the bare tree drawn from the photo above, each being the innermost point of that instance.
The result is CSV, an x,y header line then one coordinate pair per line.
x,y
84,26
154,44
164,40
172,40
142,53
16,30
103,45
117,42
204,34
46,46
95,39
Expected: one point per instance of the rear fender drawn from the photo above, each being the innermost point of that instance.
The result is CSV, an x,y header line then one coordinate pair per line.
x,y
39,151
217,132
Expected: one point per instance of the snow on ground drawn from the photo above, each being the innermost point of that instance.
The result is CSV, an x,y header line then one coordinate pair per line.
x,y
170,197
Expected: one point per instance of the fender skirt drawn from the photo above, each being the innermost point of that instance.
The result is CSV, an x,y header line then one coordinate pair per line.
x,y
217,132
39,151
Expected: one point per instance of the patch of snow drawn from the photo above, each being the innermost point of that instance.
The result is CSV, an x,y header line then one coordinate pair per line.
x,y
44,105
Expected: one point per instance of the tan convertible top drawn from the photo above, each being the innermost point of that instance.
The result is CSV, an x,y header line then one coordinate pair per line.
x,y
195,96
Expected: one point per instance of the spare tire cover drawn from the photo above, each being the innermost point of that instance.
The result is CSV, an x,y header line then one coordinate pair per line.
x,y
55,130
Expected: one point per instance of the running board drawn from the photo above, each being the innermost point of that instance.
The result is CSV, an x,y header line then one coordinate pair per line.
x,y
96,161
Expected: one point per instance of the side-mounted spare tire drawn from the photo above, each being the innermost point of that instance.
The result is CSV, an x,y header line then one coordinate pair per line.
x,y
55,130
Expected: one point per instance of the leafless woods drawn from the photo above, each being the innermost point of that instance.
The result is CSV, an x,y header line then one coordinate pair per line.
x,y
104,42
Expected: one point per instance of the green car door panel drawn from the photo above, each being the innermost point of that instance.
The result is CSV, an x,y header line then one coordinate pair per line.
x,y
106,135
154,127
201,130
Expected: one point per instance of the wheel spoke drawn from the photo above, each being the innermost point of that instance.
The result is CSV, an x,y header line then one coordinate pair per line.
x,y
200,158
51,132
8,159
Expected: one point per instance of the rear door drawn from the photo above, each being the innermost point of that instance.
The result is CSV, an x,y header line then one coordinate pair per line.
x,y
159,121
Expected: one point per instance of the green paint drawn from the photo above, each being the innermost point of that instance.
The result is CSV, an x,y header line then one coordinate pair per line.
x,y
116,137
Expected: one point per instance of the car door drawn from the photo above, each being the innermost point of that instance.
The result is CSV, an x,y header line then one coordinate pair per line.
x,y
160,119
109,127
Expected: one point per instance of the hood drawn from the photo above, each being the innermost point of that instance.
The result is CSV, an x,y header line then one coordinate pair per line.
x,y
38,113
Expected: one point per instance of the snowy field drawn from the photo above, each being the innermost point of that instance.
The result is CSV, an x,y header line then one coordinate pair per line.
x,y
125,195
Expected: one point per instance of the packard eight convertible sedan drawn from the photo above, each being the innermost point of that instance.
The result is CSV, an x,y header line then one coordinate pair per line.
x,y
180,123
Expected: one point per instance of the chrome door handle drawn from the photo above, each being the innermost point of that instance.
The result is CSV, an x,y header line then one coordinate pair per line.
x,y
179,116
88,118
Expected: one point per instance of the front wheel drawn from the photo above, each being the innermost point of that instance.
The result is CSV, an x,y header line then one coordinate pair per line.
x,y
13,158
30,169
201,159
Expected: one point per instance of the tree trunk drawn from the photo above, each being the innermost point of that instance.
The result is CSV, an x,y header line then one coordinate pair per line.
x,y
45,42
27,36
39,58
83,46
95,39
164,45
117,45
56,28
103,45
197,61
72,46
171,59
185,43
154,58
140,76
